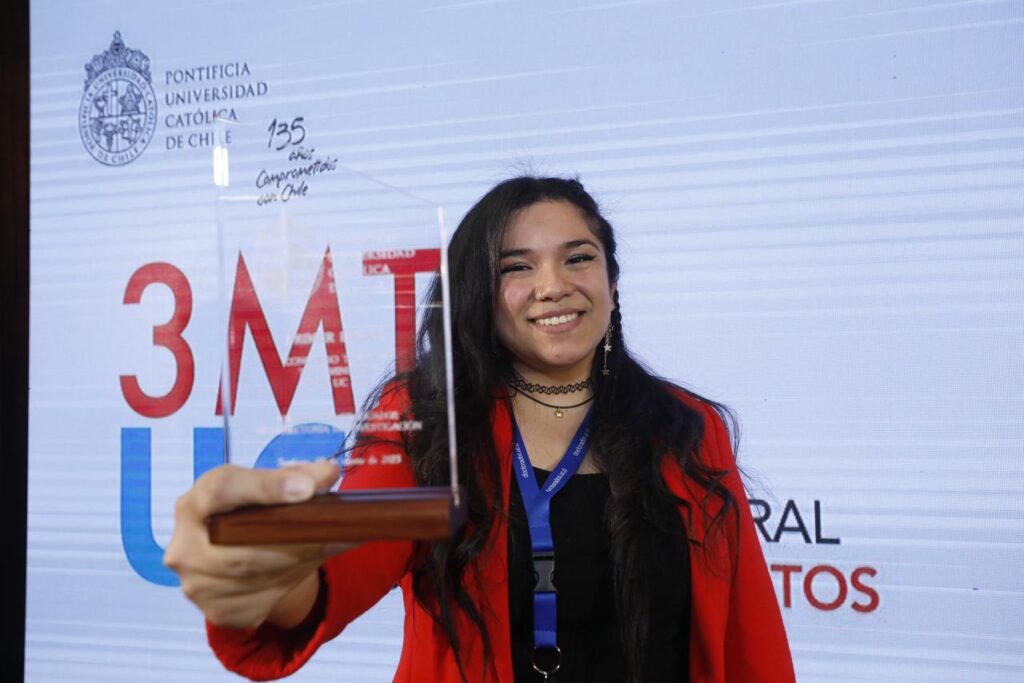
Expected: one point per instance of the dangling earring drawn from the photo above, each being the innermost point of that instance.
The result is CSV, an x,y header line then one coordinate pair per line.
x,y
607,349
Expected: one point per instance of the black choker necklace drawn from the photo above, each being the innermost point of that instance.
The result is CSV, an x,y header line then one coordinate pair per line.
x,y
559,410
519,383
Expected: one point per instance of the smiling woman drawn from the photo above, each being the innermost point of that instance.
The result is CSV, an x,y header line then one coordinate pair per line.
x,y
572,455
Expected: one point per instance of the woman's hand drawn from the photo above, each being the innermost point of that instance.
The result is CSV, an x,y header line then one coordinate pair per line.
x,y
241,587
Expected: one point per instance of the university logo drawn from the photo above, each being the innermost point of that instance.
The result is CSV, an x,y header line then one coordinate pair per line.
x,y
117,117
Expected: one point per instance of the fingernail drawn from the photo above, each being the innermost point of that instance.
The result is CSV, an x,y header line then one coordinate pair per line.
x,y
297,488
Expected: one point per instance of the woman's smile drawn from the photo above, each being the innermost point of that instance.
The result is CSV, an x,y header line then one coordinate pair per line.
x,y
557,322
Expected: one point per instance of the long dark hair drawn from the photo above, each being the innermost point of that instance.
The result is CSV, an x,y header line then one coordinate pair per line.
x,y
638,420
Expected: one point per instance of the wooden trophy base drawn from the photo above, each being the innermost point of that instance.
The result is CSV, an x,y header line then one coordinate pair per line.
x,y
420,514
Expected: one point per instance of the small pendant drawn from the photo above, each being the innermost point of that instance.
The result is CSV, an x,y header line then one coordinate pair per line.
x,y
559,413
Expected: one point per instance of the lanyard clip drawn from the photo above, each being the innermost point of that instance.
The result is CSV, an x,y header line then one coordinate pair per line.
x,y
547,660
544,572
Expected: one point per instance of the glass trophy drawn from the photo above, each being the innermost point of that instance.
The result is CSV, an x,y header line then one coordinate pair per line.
x,y
324,277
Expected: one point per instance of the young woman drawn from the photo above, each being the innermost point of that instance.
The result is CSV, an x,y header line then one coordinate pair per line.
x,y
573,456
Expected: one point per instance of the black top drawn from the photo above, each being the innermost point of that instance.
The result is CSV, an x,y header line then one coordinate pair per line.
x,y
587,629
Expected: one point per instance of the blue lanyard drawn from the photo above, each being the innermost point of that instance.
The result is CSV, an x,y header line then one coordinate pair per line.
x,y
537,501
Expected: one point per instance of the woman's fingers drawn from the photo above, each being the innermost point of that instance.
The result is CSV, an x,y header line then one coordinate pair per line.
x,y
240,586
200,585
229,487
245,561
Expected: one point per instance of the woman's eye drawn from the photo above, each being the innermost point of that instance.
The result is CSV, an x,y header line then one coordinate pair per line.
x,y
513,268
580,258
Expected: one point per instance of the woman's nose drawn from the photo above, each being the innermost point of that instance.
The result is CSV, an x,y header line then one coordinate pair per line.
x,y
551,284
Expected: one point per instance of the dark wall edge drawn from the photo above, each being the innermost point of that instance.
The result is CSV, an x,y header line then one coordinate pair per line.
x,y
14,265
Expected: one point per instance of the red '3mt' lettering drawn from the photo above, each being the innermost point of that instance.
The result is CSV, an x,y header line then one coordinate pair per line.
x,y
322,307
168,336
403,264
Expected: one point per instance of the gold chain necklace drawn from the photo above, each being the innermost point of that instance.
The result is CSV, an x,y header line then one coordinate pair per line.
x,y
559,410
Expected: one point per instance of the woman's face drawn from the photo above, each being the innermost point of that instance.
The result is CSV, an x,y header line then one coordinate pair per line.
x,y
555,301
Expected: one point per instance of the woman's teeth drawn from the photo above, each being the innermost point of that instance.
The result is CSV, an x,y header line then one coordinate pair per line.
x,y
557,320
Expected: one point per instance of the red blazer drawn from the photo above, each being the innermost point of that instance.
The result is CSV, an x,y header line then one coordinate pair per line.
x,y
736,630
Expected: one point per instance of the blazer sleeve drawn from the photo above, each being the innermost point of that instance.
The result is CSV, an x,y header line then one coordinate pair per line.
x,y
756,647
353,581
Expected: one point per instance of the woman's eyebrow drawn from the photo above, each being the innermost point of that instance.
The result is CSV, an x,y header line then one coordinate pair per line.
x,y
572,244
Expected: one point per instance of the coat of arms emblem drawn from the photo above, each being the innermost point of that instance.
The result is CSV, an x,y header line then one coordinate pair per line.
x,y
117,116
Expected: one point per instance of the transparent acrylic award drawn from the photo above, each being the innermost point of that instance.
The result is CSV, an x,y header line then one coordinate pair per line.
x,y
323,279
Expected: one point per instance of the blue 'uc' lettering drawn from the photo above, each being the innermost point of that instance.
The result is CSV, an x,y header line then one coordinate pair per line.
x,y
145,555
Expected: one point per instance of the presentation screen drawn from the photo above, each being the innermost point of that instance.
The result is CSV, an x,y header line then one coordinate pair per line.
x,y
820,207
